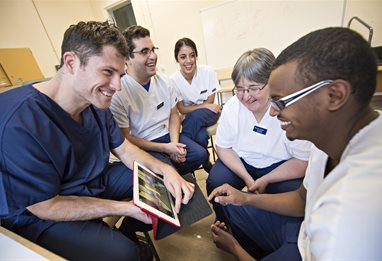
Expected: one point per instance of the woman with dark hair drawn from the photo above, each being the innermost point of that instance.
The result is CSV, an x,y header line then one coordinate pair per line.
x,y
196,85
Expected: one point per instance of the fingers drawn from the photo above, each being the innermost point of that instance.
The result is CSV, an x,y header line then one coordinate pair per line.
x,y
181,145
178,198
188,191
222,190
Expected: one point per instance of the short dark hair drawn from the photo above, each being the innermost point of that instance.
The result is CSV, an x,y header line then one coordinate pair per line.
x,y
88,38
134,32
254,65
184,42
334,53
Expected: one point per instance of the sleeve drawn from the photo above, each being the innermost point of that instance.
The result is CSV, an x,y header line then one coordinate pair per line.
x,y
116,137
228,125
213,81
299,149
119,109
176,87
3,202
37,177
174,94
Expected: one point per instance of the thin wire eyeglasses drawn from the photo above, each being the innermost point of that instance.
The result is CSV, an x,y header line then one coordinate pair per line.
x,y
293,97
146,51
251,91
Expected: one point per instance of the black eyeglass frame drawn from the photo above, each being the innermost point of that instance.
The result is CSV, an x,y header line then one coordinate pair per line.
x,y
146,51
294,97
242,90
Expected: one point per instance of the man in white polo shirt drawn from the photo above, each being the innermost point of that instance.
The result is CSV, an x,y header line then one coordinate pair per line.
x,y
145,109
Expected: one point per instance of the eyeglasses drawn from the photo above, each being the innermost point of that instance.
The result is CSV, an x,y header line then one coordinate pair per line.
x,y
146,51
251,91
293,97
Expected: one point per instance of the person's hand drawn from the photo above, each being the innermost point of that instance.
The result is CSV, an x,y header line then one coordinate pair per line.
x,y
176,151
213,107
136,213
222,238
250,182
227,195
179,188
259,186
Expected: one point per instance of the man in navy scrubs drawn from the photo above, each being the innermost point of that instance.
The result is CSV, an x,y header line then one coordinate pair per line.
x,y
56,182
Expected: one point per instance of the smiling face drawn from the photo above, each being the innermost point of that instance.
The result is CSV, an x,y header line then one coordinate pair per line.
x,y
304,118
97,81
142,67
256,102
187,61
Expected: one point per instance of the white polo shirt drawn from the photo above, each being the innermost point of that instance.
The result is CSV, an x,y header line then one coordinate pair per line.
x,y
343,211
146,113
204,83
260,144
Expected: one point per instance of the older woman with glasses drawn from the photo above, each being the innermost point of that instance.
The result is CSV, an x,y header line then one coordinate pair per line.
x,y
196,85
253,150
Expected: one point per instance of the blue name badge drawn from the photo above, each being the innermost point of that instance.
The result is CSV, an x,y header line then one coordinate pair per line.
x,y
260,130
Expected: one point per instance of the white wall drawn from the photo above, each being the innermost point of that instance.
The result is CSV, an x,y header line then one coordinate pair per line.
x,y
40,24
167,21
369,11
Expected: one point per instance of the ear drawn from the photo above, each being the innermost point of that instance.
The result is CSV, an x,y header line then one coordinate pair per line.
x,y
128,61
339,94
70,59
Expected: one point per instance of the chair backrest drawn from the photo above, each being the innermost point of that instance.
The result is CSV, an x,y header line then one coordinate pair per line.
x,y
224,74
226,85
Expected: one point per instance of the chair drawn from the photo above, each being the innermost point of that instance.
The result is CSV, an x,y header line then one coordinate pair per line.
x,y
224,75
211,132
112,221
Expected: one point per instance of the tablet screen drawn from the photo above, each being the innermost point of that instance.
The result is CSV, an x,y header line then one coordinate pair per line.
x,y
151,194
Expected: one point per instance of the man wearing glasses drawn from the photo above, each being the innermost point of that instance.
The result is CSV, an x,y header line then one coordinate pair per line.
x,y
320,89
146,111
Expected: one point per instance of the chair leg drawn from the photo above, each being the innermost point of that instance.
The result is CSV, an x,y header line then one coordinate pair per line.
x,y
213,148
151,244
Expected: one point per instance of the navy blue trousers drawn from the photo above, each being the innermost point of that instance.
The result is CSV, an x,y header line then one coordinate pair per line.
x,y
93,239
196,154
221,174
195,124
265,235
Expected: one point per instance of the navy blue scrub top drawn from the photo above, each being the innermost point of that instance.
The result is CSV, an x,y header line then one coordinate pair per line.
x,y
44,153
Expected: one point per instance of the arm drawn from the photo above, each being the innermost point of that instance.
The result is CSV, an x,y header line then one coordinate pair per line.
x,y
128,152
74,208
291,169
179,150
229,157
147,145
208,104
289,203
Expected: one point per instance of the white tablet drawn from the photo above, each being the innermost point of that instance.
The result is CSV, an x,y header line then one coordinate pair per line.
x,y
150,194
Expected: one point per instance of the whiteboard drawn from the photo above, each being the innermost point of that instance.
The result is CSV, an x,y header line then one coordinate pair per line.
x,y
233,27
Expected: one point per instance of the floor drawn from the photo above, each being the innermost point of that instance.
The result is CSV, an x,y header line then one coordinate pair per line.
x,y
193,242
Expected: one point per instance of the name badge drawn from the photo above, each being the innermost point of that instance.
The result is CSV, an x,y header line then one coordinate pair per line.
x,y
160,105
260,130
204,91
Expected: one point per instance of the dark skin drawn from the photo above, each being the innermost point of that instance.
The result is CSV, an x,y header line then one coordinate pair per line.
x,y
333,106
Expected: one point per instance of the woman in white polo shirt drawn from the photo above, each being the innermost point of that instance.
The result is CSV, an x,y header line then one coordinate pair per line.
x,y
196,85
253,150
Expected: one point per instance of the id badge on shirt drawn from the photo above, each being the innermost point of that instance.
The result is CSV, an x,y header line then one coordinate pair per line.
x,y
260,130
160,105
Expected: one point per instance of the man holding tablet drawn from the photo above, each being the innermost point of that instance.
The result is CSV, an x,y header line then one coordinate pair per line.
x,y
56,183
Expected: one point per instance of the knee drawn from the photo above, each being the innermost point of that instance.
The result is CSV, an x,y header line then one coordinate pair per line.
x,y
124,251
213,181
